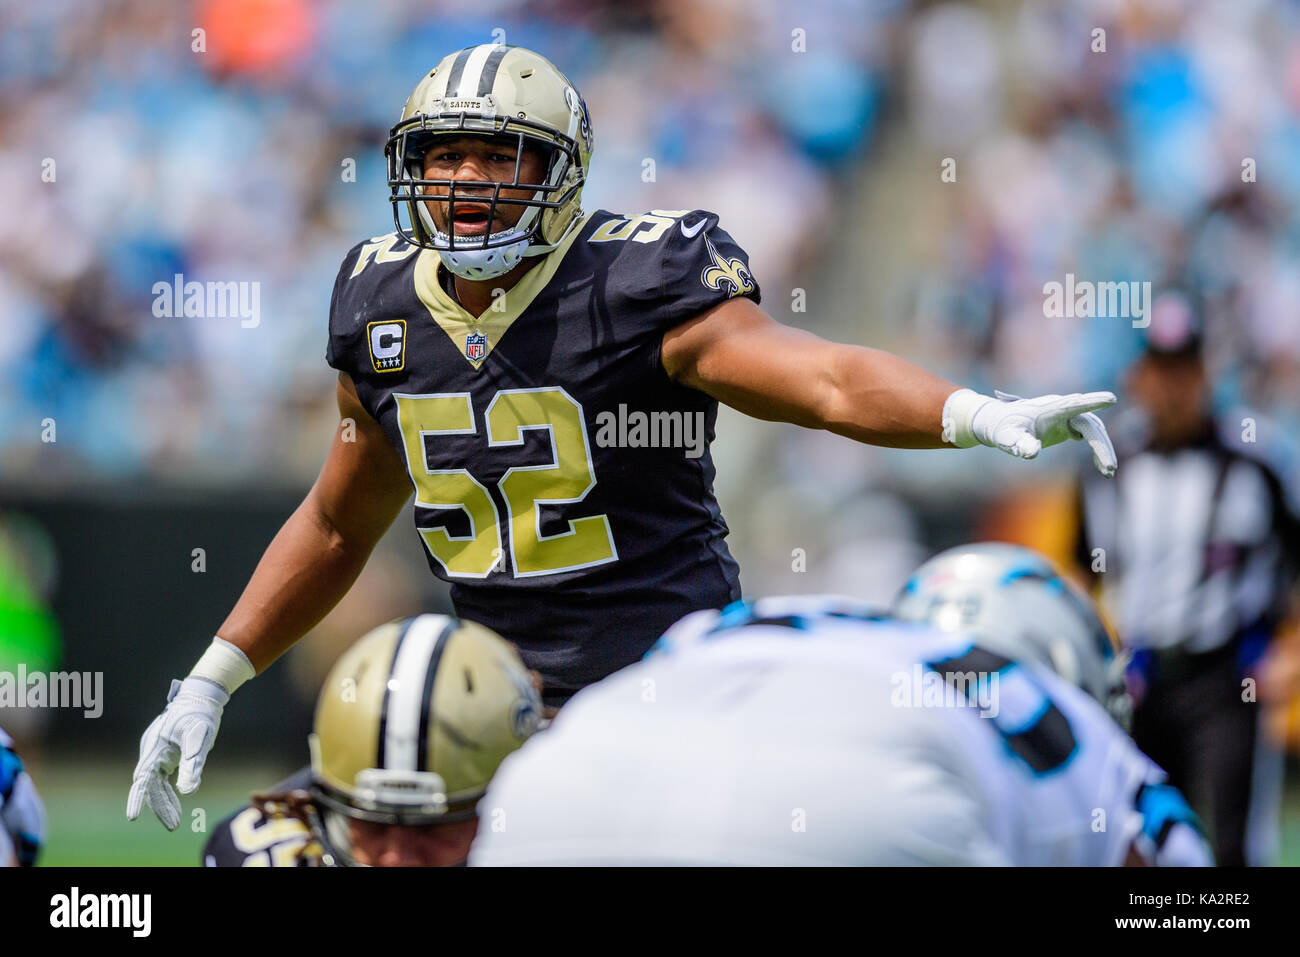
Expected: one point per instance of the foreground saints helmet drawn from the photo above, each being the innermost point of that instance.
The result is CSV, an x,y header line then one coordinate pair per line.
x,y
492,90
1015,602
412,723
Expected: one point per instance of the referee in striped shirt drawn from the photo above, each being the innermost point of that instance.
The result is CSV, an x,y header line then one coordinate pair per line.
x,y
1195,546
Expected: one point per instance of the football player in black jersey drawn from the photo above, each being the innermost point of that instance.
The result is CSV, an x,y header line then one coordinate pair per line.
x,y
546,380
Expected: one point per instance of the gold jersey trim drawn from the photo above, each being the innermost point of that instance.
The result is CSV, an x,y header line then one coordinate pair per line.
x,y
459,325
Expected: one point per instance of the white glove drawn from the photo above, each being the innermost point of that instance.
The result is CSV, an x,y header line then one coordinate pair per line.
x,y
183,734
1022,427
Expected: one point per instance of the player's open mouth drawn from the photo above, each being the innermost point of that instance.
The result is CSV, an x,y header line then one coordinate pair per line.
x,y
470,220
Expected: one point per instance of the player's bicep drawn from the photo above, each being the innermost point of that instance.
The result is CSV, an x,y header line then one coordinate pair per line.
x,y
743,357
363,484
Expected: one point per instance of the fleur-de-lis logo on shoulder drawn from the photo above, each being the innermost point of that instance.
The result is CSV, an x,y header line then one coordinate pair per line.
x,y
732,273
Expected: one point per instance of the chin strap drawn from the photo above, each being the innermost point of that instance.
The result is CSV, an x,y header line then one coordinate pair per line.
x,y
448,280
542,249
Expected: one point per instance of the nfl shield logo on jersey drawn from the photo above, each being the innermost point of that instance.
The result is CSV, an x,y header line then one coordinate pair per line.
x,y
475,346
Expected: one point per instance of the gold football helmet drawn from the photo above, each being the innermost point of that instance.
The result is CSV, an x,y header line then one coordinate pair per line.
x,y
492,90
412,723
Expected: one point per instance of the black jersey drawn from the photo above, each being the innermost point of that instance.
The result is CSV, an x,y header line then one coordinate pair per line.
x,y
249,838
564,485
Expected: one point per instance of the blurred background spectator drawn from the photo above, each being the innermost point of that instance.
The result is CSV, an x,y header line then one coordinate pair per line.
x,y
1195,546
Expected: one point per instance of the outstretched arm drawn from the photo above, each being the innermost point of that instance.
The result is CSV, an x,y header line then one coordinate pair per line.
x,y
738,354
741,356
310,564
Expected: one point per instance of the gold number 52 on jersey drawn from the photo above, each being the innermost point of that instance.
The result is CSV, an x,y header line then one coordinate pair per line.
x,y
566,479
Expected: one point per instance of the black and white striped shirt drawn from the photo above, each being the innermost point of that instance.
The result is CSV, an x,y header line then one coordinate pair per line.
x,y
1192,545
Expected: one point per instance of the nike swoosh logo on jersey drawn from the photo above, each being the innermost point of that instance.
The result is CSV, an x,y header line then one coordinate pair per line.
x,y
690,233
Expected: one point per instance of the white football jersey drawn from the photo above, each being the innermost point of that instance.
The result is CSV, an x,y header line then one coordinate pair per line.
x,y
806,731
22,815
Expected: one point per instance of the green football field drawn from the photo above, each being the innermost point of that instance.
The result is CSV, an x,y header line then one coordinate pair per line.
x,y
87,814
88,826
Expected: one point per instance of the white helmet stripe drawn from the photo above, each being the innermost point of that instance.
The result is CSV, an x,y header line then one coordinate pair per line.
x,y
474,69
422,756
406,693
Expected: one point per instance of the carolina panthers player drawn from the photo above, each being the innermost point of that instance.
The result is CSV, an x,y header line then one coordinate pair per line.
x,y
410,726
22,815
531,370
814,731
1018,606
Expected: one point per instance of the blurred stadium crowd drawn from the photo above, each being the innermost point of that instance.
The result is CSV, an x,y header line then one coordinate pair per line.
x,y
1127,165
236,163
816,131
1169,158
